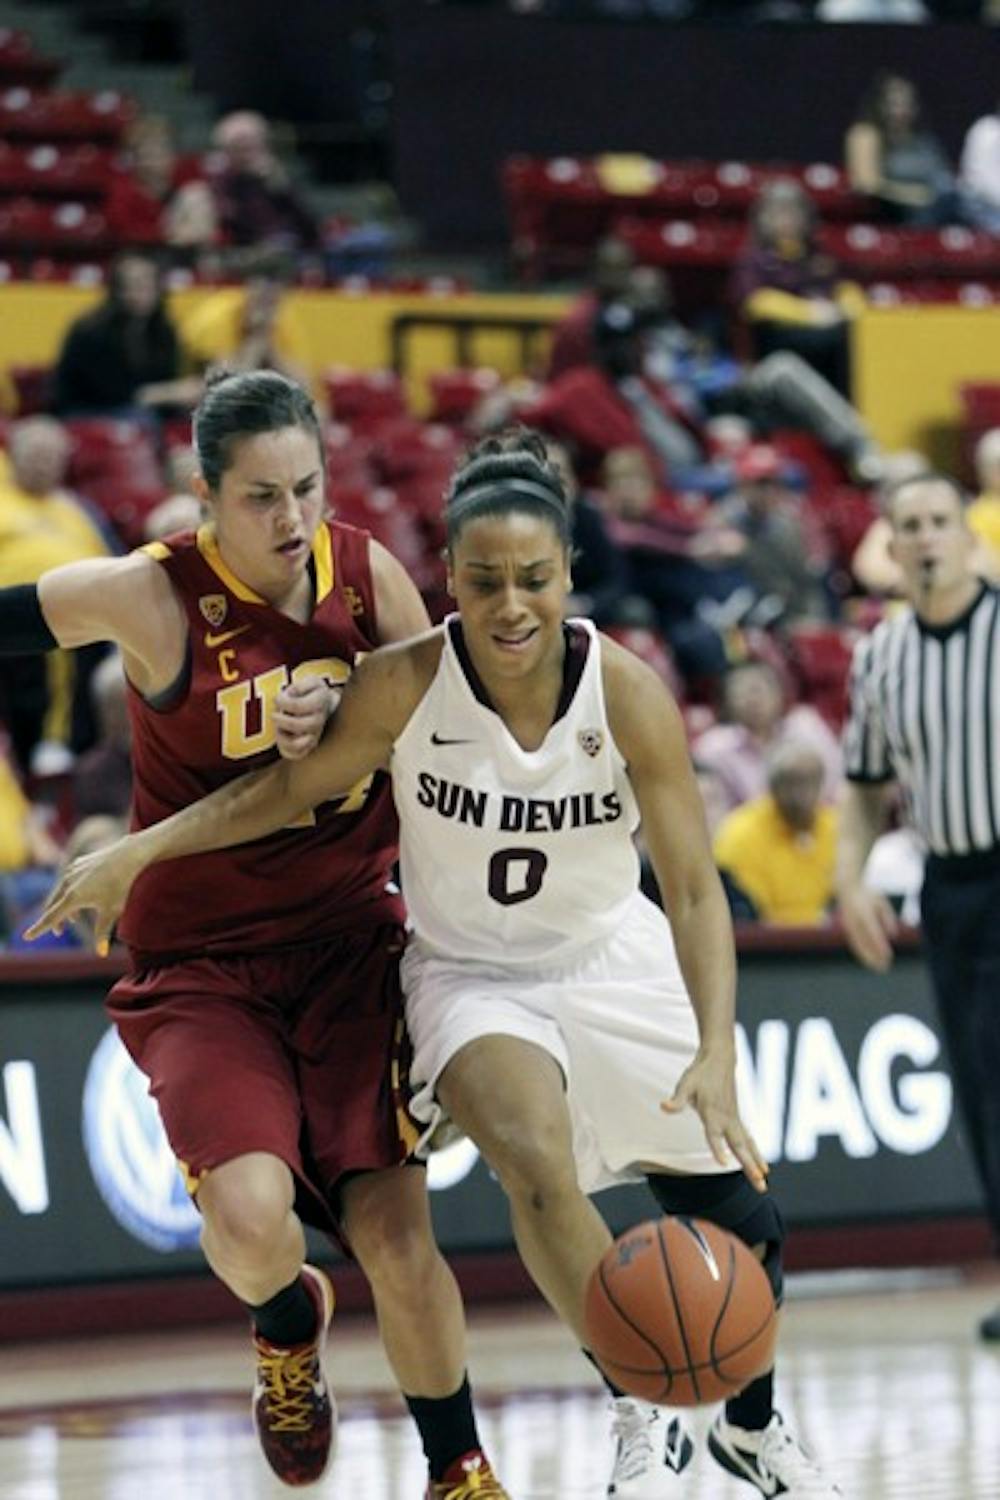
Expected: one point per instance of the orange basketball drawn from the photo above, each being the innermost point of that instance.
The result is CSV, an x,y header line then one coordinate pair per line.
x,y
681,1312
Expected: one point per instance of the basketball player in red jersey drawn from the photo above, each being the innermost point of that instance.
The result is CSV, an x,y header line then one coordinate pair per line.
x,y
262,999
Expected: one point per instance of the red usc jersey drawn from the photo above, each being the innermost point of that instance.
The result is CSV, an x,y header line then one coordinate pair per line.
x,y
306,882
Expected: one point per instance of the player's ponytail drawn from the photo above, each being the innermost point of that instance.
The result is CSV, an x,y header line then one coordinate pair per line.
x,y
510,471
245,404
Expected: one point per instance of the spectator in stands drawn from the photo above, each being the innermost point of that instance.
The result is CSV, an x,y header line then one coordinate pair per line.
x,y
89,835
615,403
781,390
980,170
124,358
873,564
154,197
102,776
610,281
601,582
983,514
754,721
786,288
180,511
892,158
42,524
24,840
781,561
678,562
256,202
250,327
778,851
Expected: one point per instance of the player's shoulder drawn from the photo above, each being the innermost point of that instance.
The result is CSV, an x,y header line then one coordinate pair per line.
x,y
642,715
624,673
140,573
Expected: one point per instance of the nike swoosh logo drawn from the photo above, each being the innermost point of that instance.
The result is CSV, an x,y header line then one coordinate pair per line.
x,y
220,640
437,739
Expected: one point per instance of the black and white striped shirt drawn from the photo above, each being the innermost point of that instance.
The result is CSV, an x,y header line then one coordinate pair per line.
x,y
925,709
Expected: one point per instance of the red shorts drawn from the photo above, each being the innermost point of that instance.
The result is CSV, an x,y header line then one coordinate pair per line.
x,y
299,1053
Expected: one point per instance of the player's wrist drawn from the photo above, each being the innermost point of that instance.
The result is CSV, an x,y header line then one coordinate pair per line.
x,y
720,1048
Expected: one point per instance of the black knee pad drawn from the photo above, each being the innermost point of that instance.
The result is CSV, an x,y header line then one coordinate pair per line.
x,y
727,1199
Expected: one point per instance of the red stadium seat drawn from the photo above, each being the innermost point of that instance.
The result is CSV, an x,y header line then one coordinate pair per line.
x,y
115,465
77,273
559,207
820,658
410,450
67,230
54,171
455,394
981,403
651,648
348,456
844,515
29,115
21,64
378,511
32,386
364,399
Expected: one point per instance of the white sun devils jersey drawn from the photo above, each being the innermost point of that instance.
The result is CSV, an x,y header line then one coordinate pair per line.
x,y
508,855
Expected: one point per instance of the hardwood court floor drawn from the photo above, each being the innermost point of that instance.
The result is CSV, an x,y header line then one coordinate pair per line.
x,y
884,1378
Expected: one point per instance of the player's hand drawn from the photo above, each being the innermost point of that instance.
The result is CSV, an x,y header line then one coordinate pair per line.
x,y
98,882
870,926
300,713
709,1086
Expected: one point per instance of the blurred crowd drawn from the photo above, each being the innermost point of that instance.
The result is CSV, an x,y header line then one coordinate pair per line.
x,y
726,492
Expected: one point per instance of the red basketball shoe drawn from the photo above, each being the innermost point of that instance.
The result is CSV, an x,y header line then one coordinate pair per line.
x,y
295,1414
469,1478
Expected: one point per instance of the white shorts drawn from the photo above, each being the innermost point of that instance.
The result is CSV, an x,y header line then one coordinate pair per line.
x,y
617,1020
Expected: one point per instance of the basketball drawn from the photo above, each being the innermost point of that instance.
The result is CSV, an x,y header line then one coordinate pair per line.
x,y
681,1312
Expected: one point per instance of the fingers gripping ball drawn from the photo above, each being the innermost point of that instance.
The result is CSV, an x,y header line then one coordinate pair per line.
x,y
680,1312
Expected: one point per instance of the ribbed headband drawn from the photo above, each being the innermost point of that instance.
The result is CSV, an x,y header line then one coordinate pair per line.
x,y
492,489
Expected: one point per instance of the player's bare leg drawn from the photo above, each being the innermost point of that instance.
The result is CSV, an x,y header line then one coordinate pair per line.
x,y
254,1242
251,1235
422,1322
508,1097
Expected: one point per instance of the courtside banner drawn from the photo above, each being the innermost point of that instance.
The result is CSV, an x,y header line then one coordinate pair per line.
x,y
846,1090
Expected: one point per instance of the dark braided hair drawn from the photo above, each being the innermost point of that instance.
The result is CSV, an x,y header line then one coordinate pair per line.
x,y
244,404
507,472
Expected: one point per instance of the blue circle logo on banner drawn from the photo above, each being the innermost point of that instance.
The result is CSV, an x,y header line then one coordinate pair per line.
x,y
133,1166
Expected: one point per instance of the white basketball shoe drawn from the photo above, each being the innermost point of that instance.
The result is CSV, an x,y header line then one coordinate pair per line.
x,y
652,1449
773,1460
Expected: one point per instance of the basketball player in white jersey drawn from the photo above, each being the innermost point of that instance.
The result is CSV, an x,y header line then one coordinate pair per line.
x,y
559,1019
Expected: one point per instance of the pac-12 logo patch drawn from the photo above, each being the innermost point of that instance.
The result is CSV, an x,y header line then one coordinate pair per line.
x,y
133,1165
591,740
214,607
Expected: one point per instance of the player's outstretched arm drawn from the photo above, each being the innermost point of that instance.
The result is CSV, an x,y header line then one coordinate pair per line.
x,y
128,600
376,703
648,730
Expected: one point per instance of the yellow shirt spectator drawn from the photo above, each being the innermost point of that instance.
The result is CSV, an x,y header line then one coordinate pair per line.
x,y
246,327
786,871
983,516
41,526
14,813
38,532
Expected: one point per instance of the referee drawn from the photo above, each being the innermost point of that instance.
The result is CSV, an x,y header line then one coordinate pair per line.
x,y
925,713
